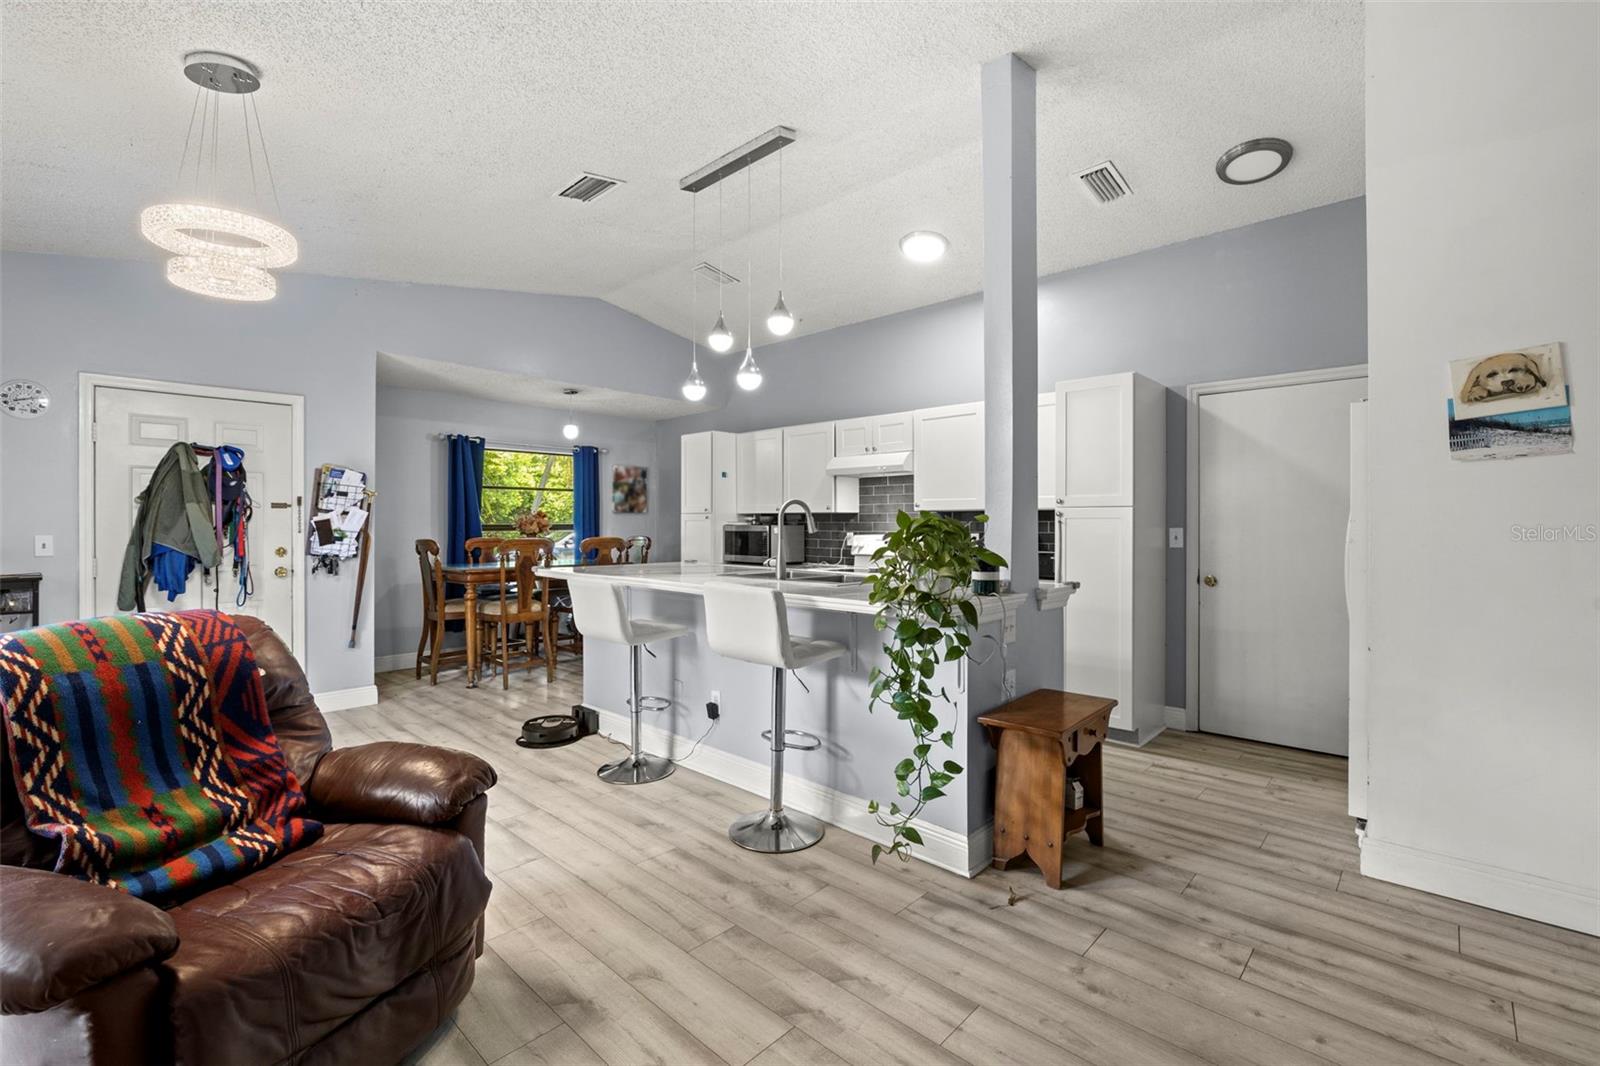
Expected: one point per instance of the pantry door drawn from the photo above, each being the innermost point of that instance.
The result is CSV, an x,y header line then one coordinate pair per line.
x,y
1274,500
131,426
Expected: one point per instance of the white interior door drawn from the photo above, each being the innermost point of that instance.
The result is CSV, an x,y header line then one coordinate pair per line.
x,y
1274,499
133,430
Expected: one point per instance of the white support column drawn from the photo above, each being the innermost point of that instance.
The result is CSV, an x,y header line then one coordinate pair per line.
x,y
1011,316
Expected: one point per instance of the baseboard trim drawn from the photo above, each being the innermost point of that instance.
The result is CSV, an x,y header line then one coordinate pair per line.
x,y
1556,902
344,699
1178,718
403,661
945,848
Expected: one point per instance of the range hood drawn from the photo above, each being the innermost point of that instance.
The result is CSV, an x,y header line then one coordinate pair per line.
x,y
870,464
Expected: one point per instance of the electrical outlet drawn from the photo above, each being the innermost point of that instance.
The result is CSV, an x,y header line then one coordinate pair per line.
x,y
1008,628
1008,687
44,545
716,696
1175,537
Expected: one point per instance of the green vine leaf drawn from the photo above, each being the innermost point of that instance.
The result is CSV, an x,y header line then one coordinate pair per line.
x,y
922,589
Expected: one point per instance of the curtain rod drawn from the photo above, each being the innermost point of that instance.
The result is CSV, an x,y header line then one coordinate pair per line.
x,y
560,449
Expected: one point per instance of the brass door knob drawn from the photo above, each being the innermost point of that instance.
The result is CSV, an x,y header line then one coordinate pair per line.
x,y
1210,581
280,551
282,571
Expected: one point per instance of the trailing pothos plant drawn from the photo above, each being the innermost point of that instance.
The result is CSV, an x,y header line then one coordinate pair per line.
x,y
923,590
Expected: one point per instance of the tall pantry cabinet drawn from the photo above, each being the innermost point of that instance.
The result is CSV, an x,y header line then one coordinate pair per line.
x,y
1110,514
708,496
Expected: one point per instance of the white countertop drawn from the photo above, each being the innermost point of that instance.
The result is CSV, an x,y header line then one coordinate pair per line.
x,y
692,578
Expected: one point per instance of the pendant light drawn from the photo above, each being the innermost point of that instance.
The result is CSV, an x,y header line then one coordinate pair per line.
x,y
220,251
694,388
570,430
780,323
748,376
721,338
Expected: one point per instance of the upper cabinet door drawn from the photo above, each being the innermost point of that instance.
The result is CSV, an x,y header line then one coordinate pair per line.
x,y
806,452
853,436
695,462
759,488
894,433
1047,452
949,458
1094,434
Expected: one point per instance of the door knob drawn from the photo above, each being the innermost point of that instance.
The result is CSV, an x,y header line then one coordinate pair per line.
x,y
280,551
1210,581
282,571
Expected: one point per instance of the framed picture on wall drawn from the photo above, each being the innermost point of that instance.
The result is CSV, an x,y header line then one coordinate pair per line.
x,y
630,492
1509,404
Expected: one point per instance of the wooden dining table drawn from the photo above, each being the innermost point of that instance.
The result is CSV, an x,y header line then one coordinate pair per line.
x,y
472,576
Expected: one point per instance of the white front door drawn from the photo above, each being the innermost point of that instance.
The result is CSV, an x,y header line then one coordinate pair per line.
x,y
1274,485
133,430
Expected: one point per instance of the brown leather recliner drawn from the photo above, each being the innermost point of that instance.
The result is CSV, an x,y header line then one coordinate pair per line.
x,y
351,949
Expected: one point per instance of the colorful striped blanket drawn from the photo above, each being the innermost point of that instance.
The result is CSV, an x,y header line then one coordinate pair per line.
x,y
142,743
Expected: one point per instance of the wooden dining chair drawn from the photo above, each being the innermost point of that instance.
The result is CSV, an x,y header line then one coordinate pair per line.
x,y
523,601
638,549
436,611
606,551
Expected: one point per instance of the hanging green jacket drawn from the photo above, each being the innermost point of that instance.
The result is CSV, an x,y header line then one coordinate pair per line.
x,y
174,510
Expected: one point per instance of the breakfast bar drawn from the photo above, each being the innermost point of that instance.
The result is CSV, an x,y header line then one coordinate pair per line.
x,y
859,749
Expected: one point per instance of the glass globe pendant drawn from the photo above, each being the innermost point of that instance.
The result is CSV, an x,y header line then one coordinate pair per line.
x,y
749,374
721,338
694,389
570,430
780,323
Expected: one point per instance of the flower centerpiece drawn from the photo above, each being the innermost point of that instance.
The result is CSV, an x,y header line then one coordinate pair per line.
x,y
533,524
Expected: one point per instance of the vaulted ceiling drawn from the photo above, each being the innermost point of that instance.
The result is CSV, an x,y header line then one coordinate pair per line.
x,y
424,142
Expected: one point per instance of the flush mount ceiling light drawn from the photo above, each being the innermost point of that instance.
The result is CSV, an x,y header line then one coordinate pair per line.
x,y
923,246
570,430
1253,161
220,251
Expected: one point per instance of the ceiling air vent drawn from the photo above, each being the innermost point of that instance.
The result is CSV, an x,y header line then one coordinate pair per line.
x,y
588,187
714,275
1103,182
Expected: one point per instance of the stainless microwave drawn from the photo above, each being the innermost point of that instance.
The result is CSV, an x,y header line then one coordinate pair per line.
x,y
750,542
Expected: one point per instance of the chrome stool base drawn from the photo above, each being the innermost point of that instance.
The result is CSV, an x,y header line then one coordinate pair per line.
x,y
775,832
638,769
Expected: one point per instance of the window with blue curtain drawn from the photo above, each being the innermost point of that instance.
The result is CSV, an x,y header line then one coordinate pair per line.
x,y
586,492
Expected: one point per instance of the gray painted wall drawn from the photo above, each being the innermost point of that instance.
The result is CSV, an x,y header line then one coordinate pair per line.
x,y
1282,295
61,314
411,467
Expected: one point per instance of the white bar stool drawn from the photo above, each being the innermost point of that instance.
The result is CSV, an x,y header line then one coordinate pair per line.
x,y
751,623
600,614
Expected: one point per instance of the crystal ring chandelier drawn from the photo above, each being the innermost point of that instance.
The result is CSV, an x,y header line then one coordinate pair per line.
x,y
203,230
220,251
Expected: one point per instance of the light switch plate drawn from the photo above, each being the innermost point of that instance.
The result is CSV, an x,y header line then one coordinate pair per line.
x,y
44,545
1175,537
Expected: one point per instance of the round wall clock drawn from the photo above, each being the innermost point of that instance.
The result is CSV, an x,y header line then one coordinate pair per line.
x,y
23,398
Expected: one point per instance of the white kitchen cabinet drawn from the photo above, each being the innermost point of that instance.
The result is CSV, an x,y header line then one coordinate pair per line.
x,y
760,471
1047,452
807,450
1104,436
949,458
877,433
1094,546
1110,504
699,539
707,473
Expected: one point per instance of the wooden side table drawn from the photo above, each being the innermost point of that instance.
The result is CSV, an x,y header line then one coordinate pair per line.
x,y
1044,740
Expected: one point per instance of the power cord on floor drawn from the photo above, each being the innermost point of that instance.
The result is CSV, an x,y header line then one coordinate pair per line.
x,y
696,745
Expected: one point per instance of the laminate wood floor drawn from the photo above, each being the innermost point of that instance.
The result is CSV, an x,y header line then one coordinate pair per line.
x,y
1223,921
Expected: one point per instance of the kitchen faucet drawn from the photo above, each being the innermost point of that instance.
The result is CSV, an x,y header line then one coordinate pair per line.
x,y
811,527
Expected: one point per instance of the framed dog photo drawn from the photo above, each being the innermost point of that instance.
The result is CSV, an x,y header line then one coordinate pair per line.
x,y
1509,405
